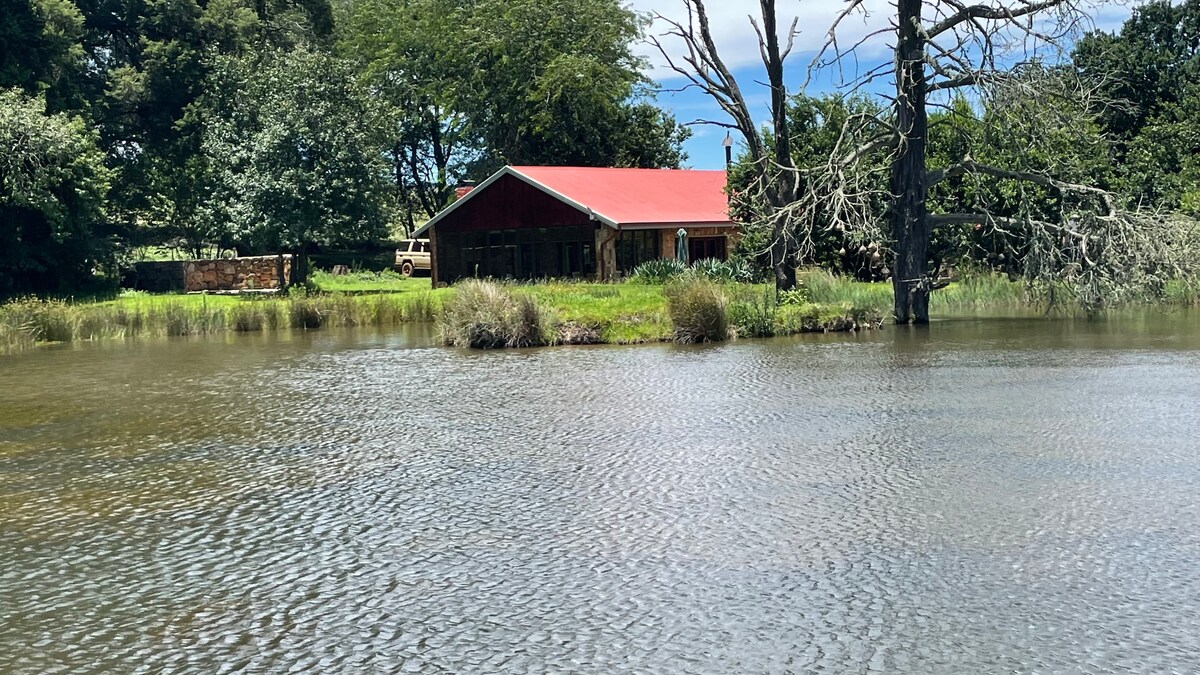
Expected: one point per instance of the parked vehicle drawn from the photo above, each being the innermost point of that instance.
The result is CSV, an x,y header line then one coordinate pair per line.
x,y
412,255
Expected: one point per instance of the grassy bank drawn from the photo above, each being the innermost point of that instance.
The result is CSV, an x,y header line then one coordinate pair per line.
x,y
386,281
26,322
971,293
489,314
564,312
485,314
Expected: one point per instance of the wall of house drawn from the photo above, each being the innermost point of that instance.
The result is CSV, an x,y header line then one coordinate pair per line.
x,y
667,244
511,203
256,272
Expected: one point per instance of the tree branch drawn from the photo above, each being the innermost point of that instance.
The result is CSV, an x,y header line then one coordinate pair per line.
x,y
988,12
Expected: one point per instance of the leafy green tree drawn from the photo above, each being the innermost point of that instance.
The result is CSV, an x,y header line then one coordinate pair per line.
x,y
296,151
42,50
553,84
1150,80
475,84
52,187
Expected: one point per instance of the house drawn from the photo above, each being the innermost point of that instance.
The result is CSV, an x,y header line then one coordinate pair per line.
x,y
527,222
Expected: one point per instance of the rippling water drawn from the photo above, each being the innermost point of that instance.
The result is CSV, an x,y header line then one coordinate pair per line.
x,y
984,496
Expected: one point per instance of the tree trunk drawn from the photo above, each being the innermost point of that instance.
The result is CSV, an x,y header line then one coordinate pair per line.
x,y
782,191
782,261
280,271
909,218
300,264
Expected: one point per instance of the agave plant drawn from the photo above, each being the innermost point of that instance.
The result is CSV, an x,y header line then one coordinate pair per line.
x,y
657,271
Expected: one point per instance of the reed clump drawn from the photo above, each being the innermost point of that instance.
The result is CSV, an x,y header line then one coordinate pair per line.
x,y
697,308
489,315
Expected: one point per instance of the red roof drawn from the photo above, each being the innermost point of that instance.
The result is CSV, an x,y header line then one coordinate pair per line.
x,y
637,196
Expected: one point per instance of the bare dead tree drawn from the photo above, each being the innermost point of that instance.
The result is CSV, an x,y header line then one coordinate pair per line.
x,y
704,69
1092,246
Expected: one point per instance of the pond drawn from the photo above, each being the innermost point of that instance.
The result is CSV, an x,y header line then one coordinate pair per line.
x,y
985,495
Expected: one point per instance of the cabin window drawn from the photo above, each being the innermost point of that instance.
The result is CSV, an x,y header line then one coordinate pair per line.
x,y
706,247
635,247
518,253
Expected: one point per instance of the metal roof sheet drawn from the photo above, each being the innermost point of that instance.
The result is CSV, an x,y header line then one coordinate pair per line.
x,y
624,196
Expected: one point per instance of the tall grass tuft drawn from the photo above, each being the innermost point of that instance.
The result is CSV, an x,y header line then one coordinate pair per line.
x,y
45,320
487,315
698,311
14,339
305,313
823,287
753,314
246,318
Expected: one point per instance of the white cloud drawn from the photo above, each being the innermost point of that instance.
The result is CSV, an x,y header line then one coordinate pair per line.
x,y
736,39
738,44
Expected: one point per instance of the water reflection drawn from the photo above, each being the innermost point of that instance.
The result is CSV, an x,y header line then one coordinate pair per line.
x,y
979,496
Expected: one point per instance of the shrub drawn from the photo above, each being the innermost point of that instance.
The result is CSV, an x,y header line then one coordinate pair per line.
x,y
657,271
740,270
487,315
698,311
664,270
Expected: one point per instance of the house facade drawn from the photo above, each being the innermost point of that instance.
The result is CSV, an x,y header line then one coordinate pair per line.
x,y
587,223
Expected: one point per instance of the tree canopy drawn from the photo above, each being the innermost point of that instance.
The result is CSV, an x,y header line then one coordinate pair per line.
x,y
52,187
193,142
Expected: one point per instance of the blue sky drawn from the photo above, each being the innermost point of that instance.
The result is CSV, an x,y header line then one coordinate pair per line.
x,y
738,46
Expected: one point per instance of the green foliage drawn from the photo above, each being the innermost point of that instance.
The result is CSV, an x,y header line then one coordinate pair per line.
x,y
698,311
42,52
295,146
819,126
663,270
1149,73
753,314
28,321
52,187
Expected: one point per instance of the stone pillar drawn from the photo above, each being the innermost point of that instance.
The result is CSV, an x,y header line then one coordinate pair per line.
x,y
606,253
666,242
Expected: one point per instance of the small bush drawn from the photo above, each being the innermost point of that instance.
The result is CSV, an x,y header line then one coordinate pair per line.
x,y
657,271
698,311
487,315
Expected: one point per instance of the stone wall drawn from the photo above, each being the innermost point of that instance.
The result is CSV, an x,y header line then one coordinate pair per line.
x,y
235,274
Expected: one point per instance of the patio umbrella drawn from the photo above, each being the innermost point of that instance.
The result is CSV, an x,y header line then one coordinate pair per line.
x,y
681,252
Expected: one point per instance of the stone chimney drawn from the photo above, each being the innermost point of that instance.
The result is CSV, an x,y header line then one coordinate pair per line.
x,y
463,188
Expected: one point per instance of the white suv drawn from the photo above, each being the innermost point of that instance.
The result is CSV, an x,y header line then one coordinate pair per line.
x,y
412,255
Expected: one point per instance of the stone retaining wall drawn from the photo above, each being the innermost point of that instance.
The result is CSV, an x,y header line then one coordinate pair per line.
x,y
235,274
